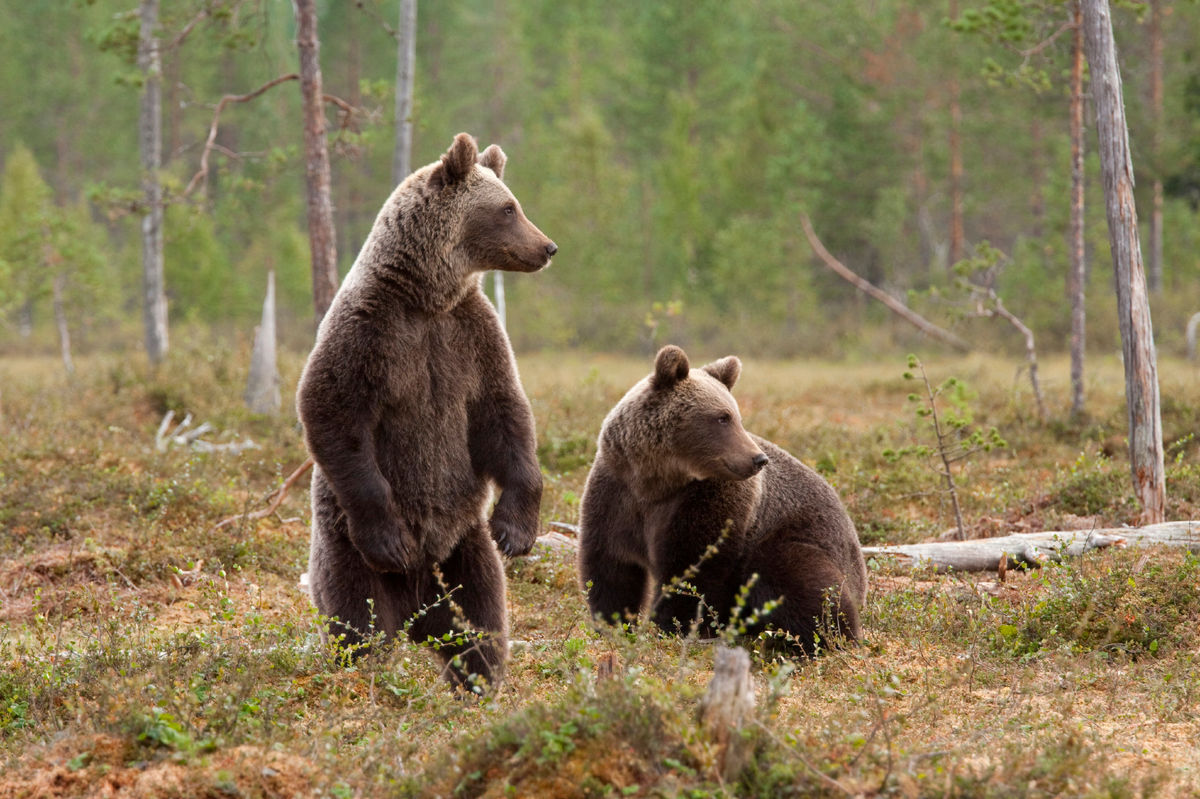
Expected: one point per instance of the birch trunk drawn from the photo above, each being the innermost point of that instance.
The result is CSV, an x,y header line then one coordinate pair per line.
x,y
406,47
1133,306
154,298
1077,276
321,240
501,303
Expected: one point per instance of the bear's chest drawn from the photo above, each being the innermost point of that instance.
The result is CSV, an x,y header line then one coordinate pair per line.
x,y
435,368
702,514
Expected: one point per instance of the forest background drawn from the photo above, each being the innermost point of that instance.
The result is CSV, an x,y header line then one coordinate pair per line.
x,y
669,149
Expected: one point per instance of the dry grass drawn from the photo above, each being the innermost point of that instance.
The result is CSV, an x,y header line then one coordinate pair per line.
x,y
144,655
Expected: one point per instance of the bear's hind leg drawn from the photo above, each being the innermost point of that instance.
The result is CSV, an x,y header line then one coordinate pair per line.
x,y
816,608
474,611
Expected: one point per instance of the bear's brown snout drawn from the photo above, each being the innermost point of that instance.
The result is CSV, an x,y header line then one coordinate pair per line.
x,y
541,251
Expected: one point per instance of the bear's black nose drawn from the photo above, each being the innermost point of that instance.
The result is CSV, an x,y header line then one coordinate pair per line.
x,y
551,248
760,460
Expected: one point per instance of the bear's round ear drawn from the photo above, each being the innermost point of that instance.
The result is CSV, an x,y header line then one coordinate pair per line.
x,y
670,366
459,160
494,159
727,370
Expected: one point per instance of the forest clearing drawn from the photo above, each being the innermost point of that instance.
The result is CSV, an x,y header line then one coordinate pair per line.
x,y
917,225
146,654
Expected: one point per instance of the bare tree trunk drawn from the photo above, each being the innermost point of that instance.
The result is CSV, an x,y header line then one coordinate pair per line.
x,y
1133,306
1155,276
406,48
154,298
957,234
321,240
60,321
262,387
865,286
1077,276
498,290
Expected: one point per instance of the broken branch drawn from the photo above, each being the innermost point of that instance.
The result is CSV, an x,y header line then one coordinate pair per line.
x,y
276,498
868,288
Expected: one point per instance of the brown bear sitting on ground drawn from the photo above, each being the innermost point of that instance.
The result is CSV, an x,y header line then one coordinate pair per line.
x,y
413,411
676,473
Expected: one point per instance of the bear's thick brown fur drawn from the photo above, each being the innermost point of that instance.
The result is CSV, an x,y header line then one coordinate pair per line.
x,y
676,473
413,411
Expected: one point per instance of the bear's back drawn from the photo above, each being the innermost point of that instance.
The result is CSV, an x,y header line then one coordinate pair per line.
x,y
797,498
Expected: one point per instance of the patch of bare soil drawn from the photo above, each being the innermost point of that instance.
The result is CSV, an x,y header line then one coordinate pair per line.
x,y
104,766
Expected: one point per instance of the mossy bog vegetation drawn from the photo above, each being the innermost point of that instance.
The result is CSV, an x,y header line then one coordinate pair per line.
x,y
145,655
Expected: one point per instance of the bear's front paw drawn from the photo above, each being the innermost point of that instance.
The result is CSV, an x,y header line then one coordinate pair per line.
x,y
512,537
387,547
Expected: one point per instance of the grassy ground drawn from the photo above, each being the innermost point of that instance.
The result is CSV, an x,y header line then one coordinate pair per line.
x,y
143,654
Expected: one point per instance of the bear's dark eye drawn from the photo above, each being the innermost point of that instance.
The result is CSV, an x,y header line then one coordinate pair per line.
x,y
725,418
509,210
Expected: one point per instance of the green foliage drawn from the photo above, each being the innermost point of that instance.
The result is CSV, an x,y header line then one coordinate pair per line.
x,y
666,148
41,242
946,412
1092,486
1129,605
27,219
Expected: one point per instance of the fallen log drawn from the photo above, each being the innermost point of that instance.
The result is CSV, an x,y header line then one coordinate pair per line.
x,y
1019,550
1030,550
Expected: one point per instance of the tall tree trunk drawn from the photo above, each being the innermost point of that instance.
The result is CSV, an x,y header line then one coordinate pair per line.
x,y
1155,275
406,48
321,241
1133,306
957,234
154,297
60,321
1077,274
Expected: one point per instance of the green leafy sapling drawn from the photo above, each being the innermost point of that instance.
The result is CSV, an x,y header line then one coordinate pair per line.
x,y
946,410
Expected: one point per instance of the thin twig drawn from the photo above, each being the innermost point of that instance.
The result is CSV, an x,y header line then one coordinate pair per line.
x,y
210,144
202,174
187,29
395,34
1069,25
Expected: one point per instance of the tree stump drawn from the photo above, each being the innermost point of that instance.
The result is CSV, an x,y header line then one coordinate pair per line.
x,y
727,708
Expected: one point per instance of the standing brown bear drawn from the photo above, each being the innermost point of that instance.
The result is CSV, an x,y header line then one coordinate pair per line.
x,y
413,412
676,473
